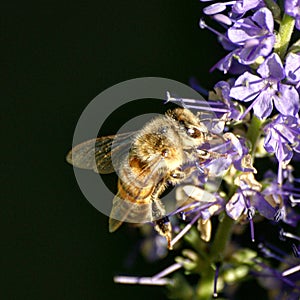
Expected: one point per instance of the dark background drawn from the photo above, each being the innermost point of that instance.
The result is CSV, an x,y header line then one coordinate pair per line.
x,y
55,59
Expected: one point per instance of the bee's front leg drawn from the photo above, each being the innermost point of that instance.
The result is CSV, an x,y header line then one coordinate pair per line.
x,y
176,176
206,154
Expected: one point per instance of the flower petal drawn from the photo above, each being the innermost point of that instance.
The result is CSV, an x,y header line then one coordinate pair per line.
x,y
264,19
264,105
292,8
243,30
287,100
240,7
272,68
214,8
235,206
263,207
292,68
246,87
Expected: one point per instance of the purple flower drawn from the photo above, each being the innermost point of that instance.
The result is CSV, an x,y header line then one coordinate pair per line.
x,y
225,63
237,154
267,89
292,68
222,91
283,136
238,7
253,35
248,39
237,205
246,202
248,199
242,161
292,8
229,63
213,111
223,153
274,196
282,194
196,204
192,199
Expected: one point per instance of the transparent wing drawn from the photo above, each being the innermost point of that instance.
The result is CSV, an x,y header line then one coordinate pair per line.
x,y
96,154
148,184
127,211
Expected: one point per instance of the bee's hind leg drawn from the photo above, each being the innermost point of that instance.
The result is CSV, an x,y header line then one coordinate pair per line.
x,y
162,223
164,228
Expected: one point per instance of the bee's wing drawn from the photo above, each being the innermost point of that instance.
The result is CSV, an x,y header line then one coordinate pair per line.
x,y
96,154
124,210
127,211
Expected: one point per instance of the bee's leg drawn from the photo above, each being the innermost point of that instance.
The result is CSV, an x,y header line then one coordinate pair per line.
x,y
176,176
162,223
163,227
206,154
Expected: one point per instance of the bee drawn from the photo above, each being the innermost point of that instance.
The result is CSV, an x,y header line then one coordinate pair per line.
x,y
147,161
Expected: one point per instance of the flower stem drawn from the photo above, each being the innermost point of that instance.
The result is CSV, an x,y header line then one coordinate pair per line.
x,y
274,8
253,133
221,239
284,35
205,287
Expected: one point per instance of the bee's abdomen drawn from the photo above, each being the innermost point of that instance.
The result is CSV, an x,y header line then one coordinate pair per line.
x,y
134,186
137,194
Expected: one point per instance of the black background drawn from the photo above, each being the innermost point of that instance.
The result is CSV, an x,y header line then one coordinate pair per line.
x,y
55,59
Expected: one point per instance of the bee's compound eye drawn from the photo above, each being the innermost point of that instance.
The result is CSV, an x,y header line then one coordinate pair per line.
x,y
190,131
193,132
165,153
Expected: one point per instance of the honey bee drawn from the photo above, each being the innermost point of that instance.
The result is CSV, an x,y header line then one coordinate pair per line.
x,y
147,162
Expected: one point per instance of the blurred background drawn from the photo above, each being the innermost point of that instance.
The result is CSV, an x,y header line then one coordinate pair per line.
x,y
55,59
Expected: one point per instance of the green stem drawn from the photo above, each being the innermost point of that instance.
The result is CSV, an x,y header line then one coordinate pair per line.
x,y
217,252
206,285
253,133
274,8
284,35
221,239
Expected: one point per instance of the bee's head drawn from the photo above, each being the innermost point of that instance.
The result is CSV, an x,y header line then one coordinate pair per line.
x,y
190,129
